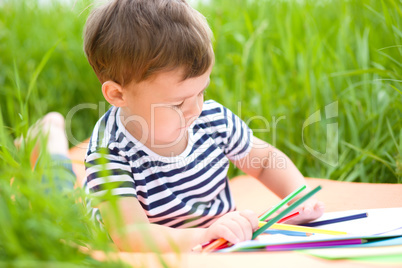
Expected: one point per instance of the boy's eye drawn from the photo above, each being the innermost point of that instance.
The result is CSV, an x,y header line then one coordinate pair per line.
x,y
202,92
178,106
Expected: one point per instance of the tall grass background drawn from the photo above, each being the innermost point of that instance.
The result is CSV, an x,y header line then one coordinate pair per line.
x,y
277,62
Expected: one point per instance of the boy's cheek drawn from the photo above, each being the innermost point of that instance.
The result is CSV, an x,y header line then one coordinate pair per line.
x,y
166,125
169,116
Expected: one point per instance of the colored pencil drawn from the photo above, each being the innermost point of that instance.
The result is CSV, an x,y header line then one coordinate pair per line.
x,y
291,216
199,247
297,228
217,243
320,244
285,211
214,244
336,220
282,203
286,232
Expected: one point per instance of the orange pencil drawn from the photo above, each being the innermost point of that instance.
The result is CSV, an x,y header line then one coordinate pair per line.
x,y
214,244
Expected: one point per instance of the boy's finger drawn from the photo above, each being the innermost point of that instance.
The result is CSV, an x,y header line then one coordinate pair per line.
x,y
282,208
230,231
245,226
320,206
308,209
251,218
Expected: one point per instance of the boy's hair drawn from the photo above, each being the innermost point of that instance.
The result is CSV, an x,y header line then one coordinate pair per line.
x,y
131,40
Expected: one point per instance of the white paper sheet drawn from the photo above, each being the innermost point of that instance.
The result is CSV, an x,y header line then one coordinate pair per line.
x,y
386,222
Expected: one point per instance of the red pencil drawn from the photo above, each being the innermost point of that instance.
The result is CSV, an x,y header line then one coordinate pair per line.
x,y
291,216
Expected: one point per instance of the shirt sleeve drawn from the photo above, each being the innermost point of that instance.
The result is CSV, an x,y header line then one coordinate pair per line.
x,y
238,136
108,173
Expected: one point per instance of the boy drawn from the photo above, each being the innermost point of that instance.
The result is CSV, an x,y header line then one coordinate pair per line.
x,y
167,149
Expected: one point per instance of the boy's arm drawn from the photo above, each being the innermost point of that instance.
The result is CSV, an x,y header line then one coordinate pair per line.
x,y
131,231
130,228
272,167
125,219
277,172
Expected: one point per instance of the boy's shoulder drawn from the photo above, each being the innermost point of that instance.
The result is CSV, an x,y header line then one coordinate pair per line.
x,y
106,131
215,114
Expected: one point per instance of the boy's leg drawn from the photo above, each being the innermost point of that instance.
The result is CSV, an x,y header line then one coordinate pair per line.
x,y
64,176
77,156
52,125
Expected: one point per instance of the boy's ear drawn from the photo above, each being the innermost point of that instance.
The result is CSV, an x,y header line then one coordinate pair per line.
x,y
113,93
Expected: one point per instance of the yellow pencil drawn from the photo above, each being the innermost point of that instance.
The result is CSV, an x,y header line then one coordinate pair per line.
x,y
289,227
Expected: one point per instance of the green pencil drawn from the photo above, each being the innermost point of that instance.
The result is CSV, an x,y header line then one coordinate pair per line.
x,y
283,202
286,211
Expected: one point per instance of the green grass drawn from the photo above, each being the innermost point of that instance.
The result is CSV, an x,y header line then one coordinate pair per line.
x,y
276,61
292,58
42,225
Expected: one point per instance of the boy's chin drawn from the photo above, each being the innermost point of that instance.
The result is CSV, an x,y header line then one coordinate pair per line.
x,y
173,139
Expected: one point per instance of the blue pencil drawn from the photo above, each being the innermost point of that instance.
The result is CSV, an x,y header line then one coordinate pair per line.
x,y
286,232
335,220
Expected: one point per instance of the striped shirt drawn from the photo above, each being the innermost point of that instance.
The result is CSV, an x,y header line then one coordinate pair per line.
x,y
188,190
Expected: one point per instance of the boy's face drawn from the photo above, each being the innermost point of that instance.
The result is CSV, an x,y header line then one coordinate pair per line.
x,y
159,111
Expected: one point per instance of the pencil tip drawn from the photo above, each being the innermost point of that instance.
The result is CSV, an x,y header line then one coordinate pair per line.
x,y
197,248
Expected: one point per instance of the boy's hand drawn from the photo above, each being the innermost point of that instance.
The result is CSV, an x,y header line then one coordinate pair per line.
x,y
234,226
310,210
